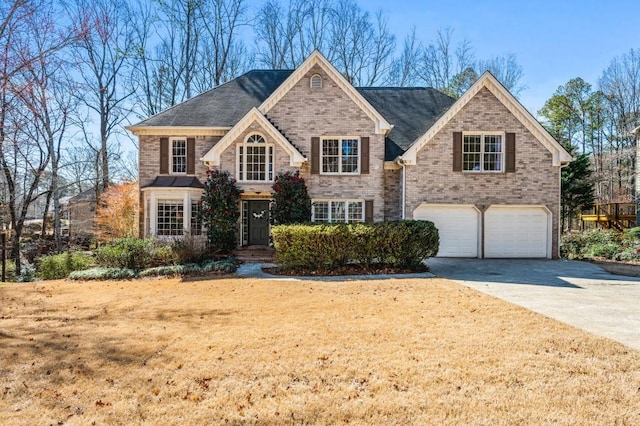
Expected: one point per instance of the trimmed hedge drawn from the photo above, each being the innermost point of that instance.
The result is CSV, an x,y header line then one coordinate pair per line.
x,y
403,244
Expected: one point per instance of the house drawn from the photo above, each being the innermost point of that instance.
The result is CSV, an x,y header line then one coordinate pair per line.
x,y
80,212
480,167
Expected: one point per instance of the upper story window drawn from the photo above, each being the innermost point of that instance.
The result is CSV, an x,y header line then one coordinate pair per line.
x,y
316,81
340,156
255,160
178,156
483,152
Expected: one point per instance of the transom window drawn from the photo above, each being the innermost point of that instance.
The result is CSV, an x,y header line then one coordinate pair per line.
x,y
255,160
340,156
170,218
333,211
178,156
483,152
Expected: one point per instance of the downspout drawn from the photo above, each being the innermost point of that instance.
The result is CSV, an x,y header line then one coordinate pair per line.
x,y
403,187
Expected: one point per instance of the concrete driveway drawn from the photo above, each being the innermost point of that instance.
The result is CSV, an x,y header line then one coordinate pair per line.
x,y
577,293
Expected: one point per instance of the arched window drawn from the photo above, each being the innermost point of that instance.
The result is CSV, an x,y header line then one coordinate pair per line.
x,y
316,81
255,160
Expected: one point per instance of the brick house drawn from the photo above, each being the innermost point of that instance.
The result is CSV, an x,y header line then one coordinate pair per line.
x,y
480,167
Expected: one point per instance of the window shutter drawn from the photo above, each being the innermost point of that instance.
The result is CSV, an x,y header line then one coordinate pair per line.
x,y
364,155
368,211
191,156
457,151
164,156
510,152
315,155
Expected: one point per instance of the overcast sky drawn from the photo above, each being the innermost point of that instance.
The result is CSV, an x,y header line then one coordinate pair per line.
x,y
553,41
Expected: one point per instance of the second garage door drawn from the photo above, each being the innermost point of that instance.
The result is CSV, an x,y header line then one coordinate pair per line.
x,y
521,231
457,225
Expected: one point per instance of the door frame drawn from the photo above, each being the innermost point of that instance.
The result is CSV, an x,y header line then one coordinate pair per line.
x,y
245,231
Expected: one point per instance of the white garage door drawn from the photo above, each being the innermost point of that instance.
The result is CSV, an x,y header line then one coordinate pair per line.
x,y
457,226
516,231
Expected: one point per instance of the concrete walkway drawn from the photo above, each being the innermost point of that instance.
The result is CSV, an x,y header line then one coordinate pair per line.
x,y
577,293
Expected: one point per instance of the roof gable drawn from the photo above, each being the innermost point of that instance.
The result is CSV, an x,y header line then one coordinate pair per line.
x,y
316,58
213,155
487,80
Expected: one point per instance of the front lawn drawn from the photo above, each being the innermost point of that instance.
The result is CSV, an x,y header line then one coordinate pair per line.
x,y
419,351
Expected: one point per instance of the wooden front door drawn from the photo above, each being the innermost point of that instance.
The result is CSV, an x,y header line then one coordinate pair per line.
x,y
258,223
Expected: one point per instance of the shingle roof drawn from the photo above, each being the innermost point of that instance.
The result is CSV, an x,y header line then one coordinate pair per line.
x,y
411,110
224,105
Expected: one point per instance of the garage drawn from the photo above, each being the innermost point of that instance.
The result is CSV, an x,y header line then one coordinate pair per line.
x,y
458,226
517,231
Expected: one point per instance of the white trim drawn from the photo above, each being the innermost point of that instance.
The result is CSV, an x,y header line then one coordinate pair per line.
x,y
382,126
560,155
269,159
152,195
482,152
212,157
183,130
186,154
340,139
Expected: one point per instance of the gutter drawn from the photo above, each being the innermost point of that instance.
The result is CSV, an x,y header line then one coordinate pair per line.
x,y
402,163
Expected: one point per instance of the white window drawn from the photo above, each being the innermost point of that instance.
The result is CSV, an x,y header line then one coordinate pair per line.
x,y
483,152
196,219
340,156
255,160
178,156
334,211
316,81
170,217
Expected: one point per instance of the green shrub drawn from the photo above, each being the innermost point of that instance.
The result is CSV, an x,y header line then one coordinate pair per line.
x,y
101,273
226,265
135,253
59,266
171,270
605,250
327,246
220,210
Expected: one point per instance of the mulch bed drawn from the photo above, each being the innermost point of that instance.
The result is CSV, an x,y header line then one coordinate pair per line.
x,y
344,270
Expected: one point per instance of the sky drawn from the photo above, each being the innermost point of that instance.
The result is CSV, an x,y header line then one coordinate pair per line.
x,y
554,41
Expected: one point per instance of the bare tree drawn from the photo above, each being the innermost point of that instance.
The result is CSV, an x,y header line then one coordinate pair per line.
x,y
102,54
403,72
506,69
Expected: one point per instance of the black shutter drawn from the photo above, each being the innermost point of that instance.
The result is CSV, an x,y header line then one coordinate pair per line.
x,y
164,156
364,155
457,151
510,153
191,156
368,211
315,155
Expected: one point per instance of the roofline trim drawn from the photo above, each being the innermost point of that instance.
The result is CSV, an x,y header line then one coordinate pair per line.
x,y
177,130
213,155
316,58
560,155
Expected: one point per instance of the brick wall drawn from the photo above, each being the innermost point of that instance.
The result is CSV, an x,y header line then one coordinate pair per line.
x,y
304,113
535,181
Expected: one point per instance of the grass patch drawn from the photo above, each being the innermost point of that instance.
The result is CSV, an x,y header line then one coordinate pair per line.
x,y
419,351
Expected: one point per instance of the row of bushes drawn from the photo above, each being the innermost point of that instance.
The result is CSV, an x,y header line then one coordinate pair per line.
x,y
601,244
403,244
103,273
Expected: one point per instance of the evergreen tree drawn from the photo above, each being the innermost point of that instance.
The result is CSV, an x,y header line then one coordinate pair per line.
x,y
291,202
577,188
220,211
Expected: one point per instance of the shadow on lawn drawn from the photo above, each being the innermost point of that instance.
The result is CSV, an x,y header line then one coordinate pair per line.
x,y
541,272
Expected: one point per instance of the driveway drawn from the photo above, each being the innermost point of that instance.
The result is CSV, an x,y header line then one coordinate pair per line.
x,y
577,293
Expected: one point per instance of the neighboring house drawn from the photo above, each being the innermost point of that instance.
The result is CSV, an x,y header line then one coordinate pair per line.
x,y
480,167
80,211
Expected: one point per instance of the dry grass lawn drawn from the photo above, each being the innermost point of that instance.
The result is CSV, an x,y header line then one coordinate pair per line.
x,y
236,351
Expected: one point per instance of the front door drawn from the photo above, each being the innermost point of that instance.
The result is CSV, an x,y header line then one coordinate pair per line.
x,y
258,223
